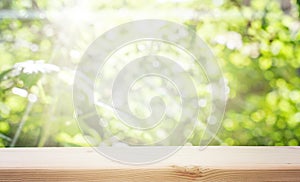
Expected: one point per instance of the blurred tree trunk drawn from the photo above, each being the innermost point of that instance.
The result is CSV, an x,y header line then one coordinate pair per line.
x,y
286,6
34,4
246,2
6,4
298,3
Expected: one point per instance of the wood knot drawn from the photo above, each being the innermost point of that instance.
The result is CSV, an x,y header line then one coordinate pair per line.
x,y
195,171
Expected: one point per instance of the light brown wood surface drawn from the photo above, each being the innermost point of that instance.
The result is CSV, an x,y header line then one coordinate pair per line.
x,y
188,164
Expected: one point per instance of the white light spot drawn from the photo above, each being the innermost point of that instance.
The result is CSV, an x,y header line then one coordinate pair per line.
x,y
202,102
74,54
32,98
20,92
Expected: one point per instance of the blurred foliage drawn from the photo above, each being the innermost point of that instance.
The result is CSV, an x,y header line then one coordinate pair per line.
x,y
256,42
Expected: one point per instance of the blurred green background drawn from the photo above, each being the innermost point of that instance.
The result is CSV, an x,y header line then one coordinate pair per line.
x,y
257,44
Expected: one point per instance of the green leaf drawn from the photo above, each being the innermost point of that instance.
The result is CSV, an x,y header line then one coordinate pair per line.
x,y
4,73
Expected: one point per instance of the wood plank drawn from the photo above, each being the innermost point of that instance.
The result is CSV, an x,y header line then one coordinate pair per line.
x,y
188,164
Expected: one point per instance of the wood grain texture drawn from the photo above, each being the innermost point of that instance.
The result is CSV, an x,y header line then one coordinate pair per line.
x,y
188,164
